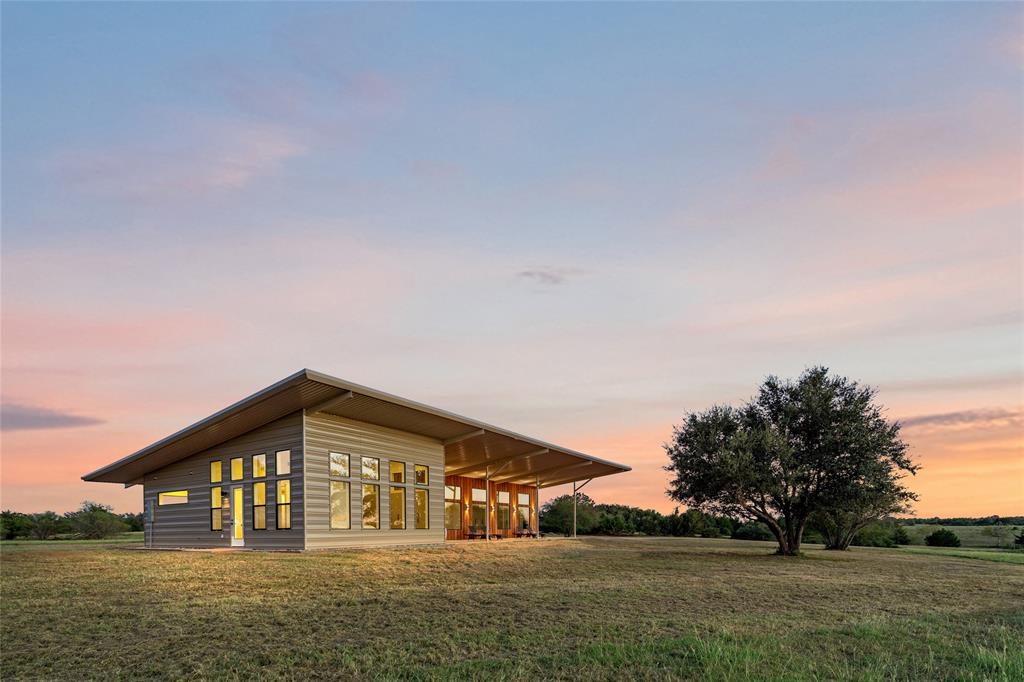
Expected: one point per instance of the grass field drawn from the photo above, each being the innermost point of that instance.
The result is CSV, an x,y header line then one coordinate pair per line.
x,y
597,608
970,536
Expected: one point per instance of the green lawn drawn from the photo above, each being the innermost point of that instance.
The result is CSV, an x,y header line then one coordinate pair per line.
x,y
596,608
970,536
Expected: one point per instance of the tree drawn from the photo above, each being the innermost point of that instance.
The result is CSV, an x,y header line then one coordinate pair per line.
x,y
43,526
556,515
1001,535
814,445
752,531
13,525
942,538
95,521
1019,540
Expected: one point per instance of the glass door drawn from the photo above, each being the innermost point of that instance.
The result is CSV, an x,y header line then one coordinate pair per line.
x,y
237,518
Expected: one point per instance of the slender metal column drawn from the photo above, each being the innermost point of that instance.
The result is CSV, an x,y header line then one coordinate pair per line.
x,y
536,506
574,508
487,503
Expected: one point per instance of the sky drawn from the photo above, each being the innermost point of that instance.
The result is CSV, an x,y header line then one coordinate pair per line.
x,y
576,221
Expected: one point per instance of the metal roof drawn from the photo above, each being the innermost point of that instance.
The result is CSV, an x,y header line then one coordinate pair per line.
x,y
472,448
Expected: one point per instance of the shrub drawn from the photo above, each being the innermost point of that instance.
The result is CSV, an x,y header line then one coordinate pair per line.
x,y
710,532
752,531
43,526
942,538
95,521
900,536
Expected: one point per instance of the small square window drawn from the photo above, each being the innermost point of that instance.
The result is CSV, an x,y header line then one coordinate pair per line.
x,y
397,472
339,465
284,462
370,468
422,474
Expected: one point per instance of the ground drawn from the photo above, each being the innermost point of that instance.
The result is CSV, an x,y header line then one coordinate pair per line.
x,y
595,608
970,536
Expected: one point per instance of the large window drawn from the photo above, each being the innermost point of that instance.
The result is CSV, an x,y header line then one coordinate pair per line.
x,y
284,504
259,505
236,469
453,507
478,510
216,471
397,472
422,507
504,509
422,474
370,468
216,518
397,507
172,497
284,462
339,464
341,504
523,511
259,466
371,505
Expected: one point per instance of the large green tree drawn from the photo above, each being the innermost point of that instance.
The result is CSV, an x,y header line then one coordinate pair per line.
x,y
798,448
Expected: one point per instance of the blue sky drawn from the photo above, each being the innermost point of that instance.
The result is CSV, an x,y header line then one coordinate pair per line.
x,y
575,220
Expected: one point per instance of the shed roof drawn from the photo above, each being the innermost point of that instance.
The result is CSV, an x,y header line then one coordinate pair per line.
x,y
472,447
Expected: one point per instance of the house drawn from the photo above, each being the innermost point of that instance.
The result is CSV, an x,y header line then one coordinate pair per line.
x,y
316,462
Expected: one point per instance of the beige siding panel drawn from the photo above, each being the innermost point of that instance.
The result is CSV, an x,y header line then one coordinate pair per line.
x,y
188,525
326,433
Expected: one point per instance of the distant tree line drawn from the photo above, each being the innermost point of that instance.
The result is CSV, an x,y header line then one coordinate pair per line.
x,y
91,521
966,521
619,519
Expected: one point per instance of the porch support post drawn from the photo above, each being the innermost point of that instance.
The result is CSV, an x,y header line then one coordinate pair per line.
x,y
575,490
536,505
487,503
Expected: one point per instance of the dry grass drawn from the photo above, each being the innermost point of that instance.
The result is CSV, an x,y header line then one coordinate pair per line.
x,y
596,608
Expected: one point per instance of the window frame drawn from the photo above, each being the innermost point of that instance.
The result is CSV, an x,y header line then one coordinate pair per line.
x,y
330,464
391,471
219,464
362,506
416,508
216,512
277,463
277,495
391,508
175,495
348,504
425,468
241,468
498,504
455,499
263,506
256,458
362,468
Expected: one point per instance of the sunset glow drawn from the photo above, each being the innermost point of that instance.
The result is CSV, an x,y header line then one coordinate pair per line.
x,y
580,241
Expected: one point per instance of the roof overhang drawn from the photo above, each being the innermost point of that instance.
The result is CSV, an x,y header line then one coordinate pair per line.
x,y
472,448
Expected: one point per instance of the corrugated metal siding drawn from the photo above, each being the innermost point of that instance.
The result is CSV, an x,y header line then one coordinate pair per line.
x,y
326,433
188,525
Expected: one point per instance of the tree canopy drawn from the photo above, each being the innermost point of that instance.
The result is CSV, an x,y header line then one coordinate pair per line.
x,y
818,445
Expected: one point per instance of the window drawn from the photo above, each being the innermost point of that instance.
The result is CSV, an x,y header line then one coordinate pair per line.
x,y
341,504
397,472
259,466
478,509
523,511
422,507
371,468
422,474
216,518
284,462
504,509
397,508
236,469
339,464
173,497
216,471
284,504
371,506
453,507
259,504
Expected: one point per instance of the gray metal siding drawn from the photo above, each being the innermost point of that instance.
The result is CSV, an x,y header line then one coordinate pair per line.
x,y
188,525
327,433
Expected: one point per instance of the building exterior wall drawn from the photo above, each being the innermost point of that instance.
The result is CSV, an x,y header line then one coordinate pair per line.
x,y
466,485
325,434
188,525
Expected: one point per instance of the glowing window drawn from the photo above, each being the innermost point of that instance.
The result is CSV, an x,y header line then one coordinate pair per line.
x,y
504,509
339,464
236,469
422,474
422,508
216,471
371,506
371,468
284,504
173,497
453,507
259,505
216,517
397,508
259,466
284,462
340,505
397,472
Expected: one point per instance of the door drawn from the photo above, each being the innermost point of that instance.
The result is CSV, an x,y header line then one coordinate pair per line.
x,y
237,518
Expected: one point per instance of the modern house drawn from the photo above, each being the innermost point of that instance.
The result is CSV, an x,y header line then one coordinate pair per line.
x,y
316,462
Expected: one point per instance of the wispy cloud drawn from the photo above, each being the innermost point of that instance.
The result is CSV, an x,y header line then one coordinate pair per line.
x,y
548,276
16,417
979,418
